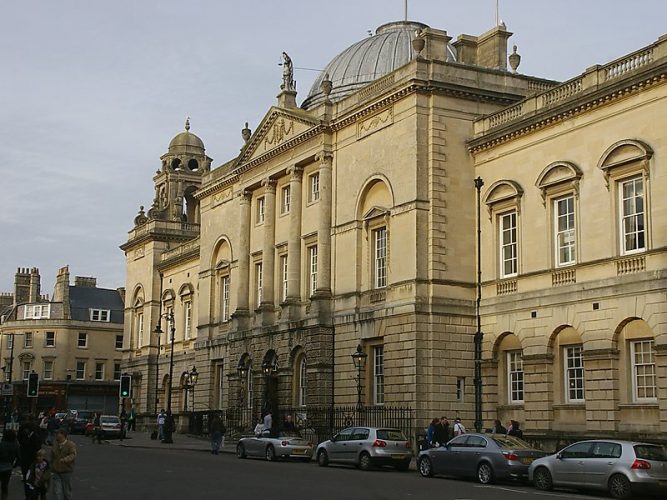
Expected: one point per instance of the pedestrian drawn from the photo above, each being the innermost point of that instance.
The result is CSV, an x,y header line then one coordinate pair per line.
x,y
132,420
268,421
9,454
288,424
63,455
52,426
97,429
259,428
430,432
123,423
29,444
441,434
514,429
38,478
169,427
459,428
216,435
498,427
161,417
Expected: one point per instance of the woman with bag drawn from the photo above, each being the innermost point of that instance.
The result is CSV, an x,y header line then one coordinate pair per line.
x,y
9,455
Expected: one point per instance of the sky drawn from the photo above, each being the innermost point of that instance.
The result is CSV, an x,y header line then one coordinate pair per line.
x,y
91,93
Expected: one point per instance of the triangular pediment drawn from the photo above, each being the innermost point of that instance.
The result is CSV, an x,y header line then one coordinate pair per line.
x,y
375,212
278,127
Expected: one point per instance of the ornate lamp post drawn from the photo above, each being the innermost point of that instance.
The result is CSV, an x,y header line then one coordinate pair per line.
x,y
169,425
269,368
158,333
359,360
479,336
189,382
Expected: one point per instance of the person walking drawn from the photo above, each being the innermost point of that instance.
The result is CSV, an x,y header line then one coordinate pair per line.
x,y
63,455
430,432
216,435
9,454
52,426
97,428
161,418
441,434
132,420
123,423
459,428
29,444
38,478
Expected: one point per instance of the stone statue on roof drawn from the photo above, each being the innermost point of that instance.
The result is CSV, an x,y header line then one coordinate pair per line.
x,y
288,74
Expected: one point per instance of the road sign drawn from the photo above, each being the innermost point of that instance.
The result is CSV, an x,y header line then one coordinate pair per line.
x,y
7,390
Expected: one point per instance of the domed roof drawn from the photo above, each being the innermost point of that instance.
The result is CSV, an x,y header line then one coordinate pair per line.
x,y
368,60
186,142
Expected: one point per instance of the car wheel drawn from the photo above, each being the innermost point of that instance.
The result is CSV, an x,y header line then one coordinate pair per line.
x,y
270,454
403,466
542,479
484,473
425,467
619,486
322,458
365,461
240,451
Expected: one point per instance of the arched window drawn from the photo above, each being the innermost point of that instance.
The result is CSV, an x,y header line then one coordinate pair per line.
x,y
510,368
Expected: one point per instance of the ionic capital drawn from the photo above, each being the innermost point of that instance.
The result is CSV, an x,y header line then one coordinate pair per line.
x,y
269,185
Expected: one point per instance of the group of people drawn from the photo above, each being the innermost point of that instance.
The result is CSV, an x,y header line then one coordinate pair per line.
x,y
39,474
440,431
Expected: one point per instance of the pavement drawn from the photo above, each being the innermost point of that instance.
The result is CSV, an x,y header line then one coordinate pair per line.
x,y
181,442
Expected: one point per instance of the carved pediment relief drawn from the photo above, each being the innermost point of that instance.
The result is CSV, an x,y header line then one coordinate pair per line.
x,y
504,192
277,128
624,153
222,264
375,212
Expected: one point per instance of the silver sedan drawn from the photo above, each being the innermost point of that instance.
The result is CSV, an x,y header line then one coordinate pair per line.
x,y
283,445
623,468
484,456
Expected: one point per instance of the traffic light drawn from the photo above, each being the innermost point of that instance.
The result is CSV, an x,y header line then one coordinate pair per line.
x,y
125,385
33,385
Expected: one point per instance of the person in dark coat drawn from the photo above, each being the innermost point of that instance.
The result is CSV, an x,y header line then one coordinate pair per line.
x,y
515,429
30,443
441,434
498,427
9,454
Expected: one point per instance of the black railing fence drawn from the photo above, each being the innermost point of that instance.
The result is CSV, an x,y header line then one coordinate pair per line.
x,y
314,423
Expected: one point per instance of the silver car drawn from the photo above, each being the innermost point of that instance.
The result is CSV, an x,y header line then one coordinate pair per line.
x,y
366,447
283,445
484,456
623,468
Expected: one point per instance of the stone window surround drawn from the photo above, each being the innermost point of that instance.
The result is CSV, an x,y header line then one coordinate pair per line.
x,y
502,197
49,341
80,371
82,340
51,364
285,199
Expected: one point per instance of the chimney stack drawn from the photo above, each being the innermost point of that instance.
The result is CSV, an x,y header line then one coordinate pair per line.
x,y
35,285
85,282
21,286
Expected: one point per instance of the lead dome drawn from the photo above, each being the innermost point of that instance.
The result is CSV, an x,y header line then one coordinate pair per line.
x,y
369,59
186,142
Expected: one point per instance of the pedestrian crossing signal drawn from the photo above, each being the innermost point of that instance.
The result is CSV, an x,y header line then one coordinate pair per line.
x,y
33,385
125,384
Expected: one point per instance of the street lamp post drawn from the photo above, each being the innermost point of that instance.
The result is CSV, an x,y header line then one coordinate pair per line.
x,y
189,381
169,428
479,336
359,360
158,333
269,368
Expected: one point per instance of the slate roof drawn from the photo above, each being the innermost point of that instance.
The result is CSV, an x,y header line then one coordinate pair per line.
x,y
82,299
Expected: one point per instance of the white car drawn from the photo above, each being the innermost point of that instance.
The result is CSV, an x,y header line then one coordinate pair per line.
x,y
111,426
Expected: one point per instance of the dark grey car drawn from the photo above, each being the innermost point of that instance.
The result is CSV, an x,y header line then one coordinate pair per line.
x,y
485,456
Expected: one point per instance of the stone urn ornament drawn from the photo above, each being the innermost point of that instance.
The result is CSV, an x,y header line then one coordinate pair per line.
x,y
418,42
326,85
246,133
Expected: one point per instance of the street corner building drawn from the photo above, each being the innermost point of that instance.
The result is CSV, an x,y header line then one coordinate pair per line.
x,y
351,220
72,341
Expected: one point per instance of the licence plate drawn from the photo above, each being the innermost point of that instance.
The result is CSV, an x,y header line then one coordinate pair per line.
x,y
300,451
397,455
527,460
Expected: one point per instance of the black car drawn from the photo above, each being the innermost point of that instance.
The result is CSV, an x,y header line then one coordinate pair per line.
x,y
77,420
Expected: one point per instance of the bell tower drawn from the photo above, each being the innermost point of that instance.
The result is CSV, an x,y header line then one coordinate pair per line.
x,y
183,166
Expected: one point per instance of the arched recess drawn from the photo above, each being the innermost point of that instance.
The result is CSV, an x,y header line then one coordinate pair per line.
x,y
567,349
501,193
626,154
190,205
508,351
298,363
638,377
559,176
246,388
137,336
221,297
374,204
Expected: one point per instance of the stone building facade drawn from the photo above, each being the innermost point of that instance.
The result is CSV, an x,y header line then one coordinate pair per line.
x,y
73,341
347,221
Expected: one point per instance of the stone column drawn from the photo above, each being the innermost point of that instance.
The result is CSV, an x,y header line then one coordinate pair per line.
x,y
242,290
324,226
268,252
294,241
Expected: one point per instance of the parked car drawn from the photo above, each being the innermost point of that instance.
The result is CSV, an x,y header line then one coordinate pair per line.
x,y
286,444
366,447
110,426
487,457
77,420
623,468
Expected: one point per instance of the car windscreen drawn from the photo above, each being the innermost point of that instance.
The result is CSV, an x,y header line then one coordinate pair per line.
x,y
109,420
510,442
391,435
650,452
